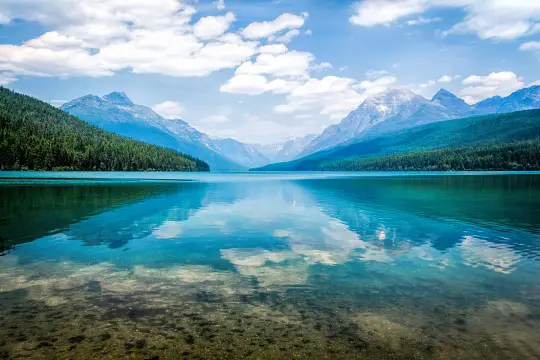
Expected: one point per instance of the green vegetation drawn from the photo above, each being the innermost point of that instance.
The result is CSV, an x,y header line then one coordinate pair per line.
x,y
37,136
477,136
522,155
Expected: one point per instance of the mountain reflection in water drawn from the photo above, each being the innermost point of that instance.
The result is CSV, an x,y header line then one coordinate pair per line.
x,y
425,267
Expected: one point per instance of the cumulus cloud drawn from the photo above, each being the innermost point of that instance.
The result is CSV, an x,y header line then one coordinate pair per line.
x,y
98,38
324,66
448,78
488,19
213,26
288,64
254,84
286,21
427,84
497,83
287,37
273,49
169,109
331,95
385,12
376,86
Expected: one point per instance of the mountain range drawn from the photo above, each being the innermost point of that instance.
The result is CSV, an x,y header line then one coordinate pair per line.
x,y
116,112
400,108
497,137
389,111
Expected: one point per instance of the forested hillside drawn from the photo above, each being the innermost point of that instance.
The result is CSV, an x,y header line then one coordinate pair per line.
x,y
521,155
37,136
493,130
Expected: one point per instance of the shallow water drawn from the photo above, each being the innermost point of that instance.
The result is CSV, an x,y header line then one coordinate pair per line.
x,y
336,266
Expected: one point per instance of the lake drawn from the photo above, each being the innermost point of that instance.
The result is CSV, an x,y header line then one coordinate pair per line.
x,y
269,266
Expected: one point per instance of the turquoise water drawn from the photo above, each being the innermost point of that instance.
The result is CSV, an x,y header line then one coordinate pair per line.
x,y
279,265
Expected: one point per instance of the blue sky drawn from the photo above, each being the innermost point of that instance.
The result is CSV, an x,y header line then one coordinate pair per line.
x,y
262,71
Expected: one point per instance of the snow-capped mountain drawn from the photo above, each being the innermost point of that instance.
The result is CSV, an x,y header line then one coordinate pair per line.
x,y
451,102
245,154
524,99
287,150
399,108
115,112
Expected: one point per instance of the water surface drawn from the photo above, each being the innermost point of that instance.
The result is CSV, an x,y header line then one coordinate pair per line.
x,y
369,266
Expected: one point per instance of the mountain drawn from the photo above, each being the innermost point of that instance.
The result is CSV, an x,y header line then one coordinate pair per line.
x,y
524,99
35,135
116,113
468,132
287,150
243,154
451,102
398,108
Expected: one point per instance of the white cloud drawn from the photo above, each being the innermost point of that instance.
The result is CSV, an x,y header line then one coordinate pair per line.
x,y
427,84
254,84
385,12
6,78
488,19
331,95
448,78
497,83
324,66
169,109
220,4
273,49
98,38
530,46
535,83
213,26
289,64
287,37
422,21
371,87
286,21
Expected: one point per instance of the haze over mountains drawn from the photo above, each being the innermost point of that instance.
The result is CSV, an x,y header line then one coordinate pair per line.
x,y
116,112
392,110
400,108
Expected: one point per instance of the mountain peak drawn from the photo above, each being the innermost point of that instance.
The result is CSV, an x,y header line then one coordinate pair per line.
x,y
395,95
456,105
86,100
118,98
443,93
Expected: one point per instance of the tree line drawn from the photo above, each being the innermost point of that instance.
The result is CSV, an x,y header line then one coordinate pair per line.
x,y
518,155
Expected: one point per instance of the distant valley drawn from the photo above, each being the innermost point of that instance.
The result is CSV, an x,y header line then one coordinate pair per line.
x,y
116,113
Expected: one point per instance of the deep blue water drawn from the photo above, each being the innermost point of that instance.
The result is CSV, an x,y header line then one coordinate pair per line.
x,y
279,265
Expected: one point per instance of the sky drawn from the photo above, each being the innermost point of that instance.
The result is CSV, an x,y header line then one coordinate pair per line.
x,y
262,71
